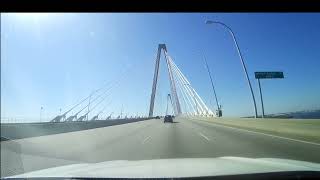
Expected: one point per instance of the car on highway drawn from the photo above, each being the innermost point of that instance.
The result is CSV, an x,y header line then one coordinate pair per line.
x,y
168,118
189,168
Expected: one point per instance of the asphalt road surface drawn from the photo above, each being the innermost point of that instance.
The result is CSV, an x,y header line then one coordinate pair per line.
x,y
150,139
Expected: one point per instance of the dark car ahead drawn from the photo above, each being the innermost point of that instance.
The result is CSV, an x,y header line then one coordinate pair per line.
x,y
168,118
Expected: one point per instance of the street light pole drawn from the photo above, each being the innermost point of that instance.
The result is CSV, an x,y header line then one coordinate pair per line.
x,y
261,98
121,111
214,91
89,106
241,58
41,113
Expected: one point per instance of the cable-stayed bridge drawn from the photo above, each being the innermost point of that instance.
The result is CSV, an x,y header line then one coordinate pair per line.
x,y
185,99
100,135
181,89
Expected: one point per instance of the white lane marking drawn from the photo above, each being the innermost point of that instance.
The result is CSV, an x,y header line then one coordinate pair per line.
x,y
202,135
146,139
280,137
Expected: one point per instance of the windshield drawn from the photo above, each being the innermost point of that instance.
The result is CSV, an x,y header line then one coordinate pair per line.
x,y
81,89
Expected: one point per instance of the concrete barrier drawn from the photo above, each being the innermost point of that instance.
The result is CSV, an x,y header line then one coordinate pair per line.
x,y
24,130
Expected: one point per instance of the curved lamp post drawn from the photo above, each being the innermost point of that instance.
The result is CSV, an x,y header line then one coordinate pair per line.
x,y
241,58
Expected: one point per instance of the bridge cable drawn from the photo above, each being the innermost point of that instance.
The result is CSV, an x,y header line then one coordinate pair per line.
x,y
202,105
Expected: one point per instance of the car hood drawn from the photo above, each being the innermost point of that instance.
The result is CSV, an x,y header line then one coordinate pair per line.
x,y
189,167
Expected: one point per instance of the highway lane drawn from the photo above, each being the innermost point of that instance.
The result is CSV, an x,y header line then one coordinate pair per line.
x,y
153,139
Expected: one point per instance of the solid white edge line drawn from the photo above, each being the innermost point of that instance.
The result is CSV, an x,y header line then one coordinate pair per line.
x,y
205,137
297,140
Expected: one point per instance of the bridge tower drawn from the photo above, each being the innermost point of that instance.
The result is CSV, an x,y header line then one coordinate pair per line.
x,y
176,103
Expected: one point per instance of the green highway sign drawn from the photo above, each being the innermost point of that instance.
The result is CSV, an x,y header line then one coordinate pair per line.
x,y
268,75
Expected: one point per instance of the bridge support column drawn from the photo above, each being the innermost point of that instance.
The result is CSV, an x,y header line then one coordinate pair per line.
x,y
155,80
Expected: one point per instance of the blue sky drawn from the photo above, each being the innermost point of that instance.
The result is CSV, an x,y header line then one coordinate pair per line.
x,y
55,60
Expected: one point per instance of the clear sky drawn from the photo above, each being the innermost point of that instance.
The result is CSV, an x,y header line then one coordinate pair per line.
x,y
55,60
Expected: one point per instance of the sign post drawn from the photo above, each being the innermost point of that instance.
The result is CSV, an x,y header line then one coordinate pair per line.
x,y
266,75
261,98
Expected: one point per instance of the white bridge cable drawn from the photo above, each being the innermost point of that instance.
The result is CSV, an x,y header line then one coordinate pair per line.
x,y
103,113
194,104
173,91
183,87
187,106
96,116
110,92
103,94
184,93
203,106
93,92
106,106
63,116
107,115
114,82
59,117
171,84
190,92
184,104
98,96
116,85
99,103
106,95
190,103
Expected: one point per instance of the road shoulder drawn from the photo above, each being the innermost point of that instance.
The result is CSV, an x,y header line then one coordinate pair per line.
x,y
280,130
